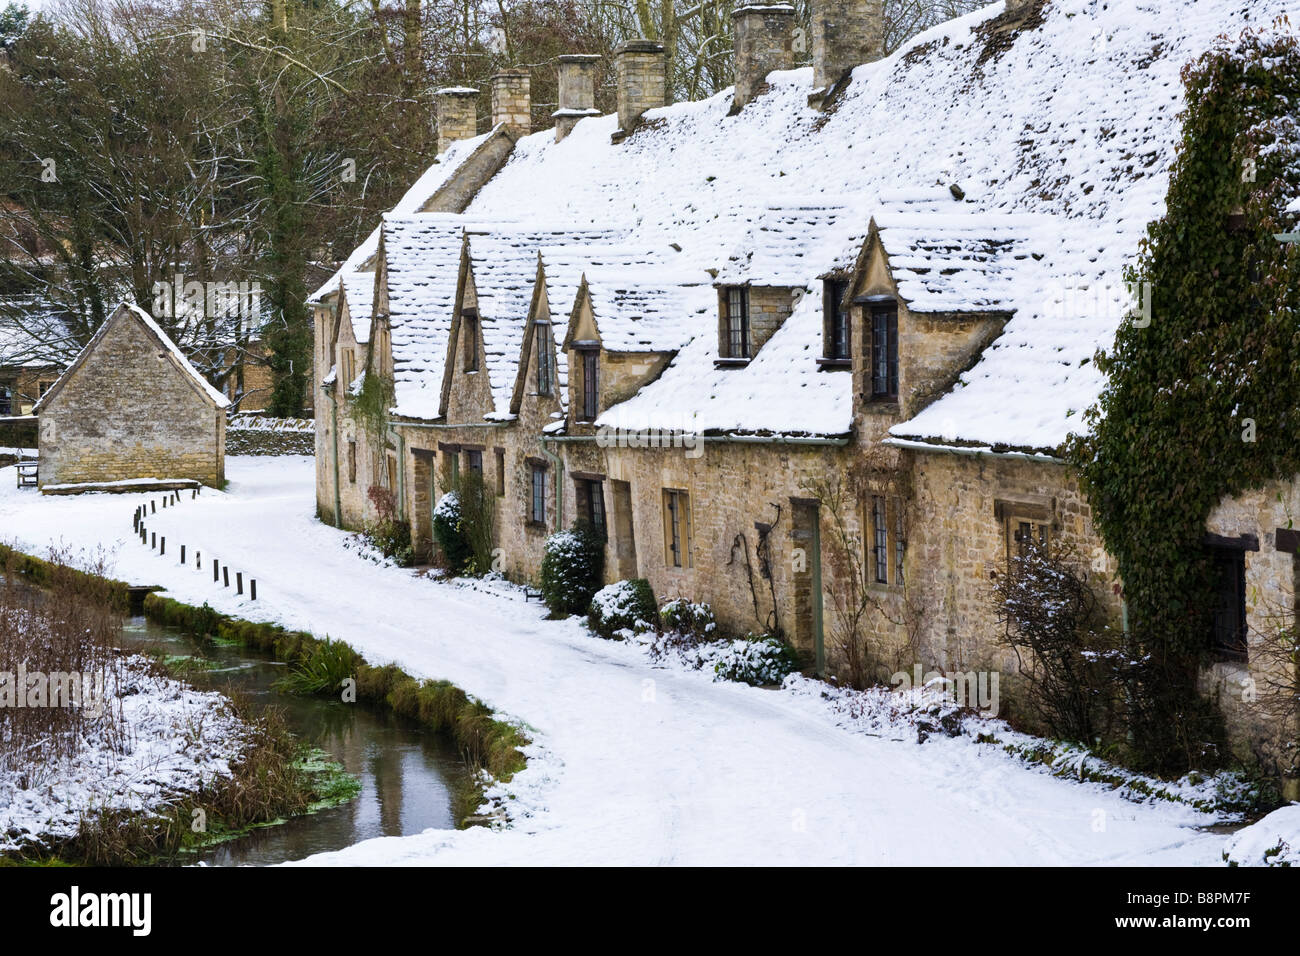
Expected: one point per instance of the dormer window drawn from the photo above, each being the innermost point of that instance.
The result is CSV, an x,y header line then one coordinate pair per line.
x,y
590,380
883,354
735,322
545,363
469,333
836,334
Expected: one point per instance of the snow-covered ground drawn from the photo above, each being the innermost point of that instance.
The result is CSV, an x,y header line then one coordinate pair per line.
x,y
176,740
632,763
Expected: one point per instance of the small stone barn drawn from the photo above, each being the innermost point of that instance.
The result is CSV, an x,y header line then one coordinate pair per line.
x,y
131,407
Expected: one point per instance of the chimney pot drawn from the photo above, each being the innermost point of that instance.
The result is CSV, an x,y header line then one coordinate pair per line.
x,y
764,41
577,83
457,113
512,101
642,84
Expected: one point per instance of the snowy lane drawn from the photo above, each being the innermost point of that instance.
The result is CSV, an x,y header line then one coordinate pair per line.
x,y
633,764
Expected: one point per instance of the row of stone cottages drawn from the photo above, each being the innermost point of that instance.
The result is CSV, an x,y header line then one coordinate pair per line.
x,y
864,332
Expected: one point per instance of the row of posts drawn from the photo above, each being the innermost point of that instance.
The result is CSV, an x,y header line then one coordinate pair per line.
x,y
220,572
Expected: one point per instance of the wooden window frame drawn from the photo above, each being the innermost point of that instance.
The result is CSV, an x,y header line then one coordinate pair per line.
x,y
879,540
469,339
882,350
545,358
837,331
589,361
1234,649
736,343
474,460
536,494
591,498
677,528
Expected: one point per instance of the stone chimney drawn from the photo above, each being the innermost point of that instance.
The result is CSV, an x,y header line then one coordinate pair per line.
x,y
577,77
512,101
642,85
845,33
457,111
764,37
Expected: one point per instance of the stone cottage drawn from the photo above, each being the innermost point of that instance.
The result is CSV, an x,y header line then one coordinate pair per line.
x,y
131,407
815,342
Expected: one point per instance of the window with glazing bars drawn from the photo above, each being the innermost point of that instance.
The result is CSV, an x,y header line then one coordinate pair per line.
x,y
537,512
545,371
590,371
880,533
737,322
884,351
837,319
900,542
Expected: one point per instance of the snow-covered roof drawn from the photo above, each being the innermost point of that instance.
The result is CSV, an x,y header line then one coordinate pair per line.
x,y
778,243
650,308
359,289
145,319
1052,141
962,261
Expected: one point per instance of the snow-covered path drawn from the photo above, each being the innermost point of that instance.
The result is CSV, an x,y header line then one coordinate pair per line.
x,y
633,764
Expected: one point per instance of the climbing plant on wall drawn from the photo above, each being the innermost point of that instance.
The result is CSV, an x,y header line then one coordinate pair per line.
x,y
1203,393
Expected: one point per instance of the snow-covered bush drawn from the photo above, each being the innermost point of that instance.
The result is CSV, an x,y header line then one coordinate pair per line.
x,y
755,660
623,605
684,617
572,568
1272,841
448,534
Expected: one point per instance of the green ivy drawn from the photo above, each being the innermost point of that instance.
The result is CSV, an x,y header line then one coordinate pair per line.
x,y
1204,401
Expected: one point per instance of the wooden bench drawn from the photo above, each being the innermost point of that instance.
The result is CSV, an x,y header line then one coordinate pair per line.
x,y
27,473
530,593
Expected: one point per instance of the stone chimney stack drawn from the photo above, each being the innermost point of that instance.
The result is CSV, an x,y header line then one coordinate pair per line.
x,y
512,101
764,38
845,33
457,111
642,84
577,76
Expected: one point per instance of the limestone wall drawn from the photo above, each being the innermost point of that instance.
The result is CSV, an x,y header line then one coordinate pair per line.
x,y
129,412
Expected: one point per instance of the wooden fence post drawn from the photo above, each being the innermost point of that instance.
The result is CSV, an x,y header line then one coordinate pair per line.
x,y
252,588
239,582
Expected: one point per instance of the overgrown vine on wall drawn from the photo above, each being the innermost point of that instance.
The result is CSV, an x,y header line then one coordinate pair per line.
x,y
1202,400
370,407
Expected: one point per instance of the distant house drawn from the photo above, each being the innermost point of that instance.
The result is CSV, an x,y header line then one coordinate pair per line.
x,y
131,406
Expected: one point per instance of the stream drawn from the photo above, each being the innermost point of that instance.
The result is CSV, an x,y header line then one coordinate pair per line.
x,y
407,773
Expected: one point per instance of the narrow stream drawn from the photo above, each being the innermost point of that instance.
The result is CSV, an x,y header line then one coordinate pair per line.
x,y
407,773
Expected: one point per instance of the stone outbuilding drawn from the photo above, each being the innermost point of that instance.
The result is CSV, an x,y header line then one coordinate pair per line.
x,y
131,407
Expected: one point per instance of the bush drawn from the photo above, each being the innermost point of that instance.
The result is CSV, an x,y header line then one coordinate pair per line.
x,y
756,660
477,505
684,617
450,535
623,605
389,534
572,568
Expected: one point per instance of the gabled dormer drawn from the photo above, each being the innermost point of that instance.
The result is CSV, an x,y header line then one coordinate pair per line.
x,y
582,345
926,295
537,379
466,388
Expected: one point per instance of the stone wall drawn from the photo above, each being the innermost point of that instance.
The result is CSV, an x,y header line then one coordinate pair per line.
x,y
764,41
457,108
845,33
642,85
512,101
127,411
